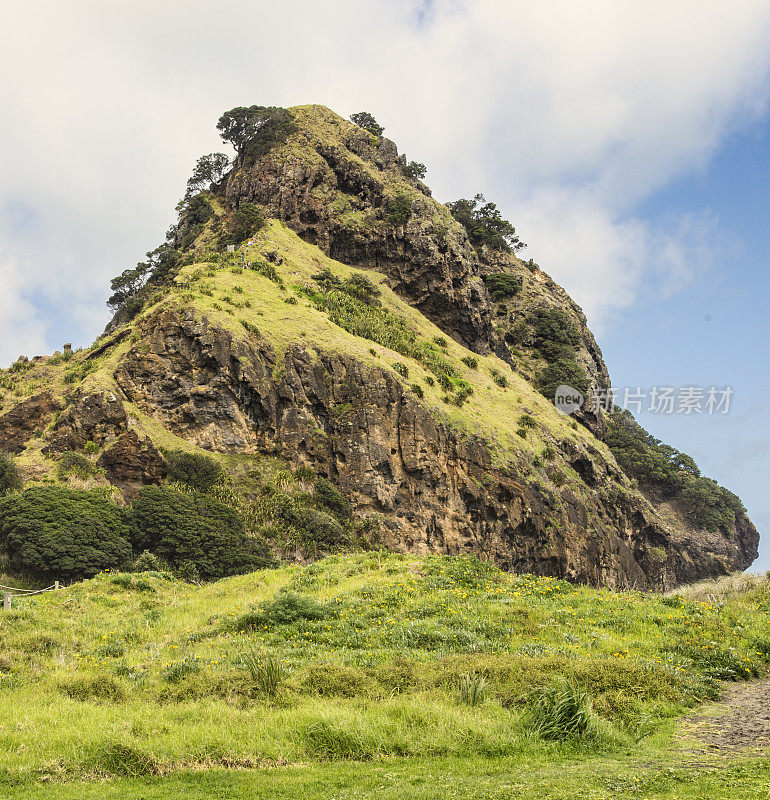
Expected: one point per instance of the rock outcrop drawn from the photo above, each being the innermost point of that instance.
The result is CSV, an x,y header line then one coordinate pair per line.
x,y
259,365
25,419
131,462
90,417
434,489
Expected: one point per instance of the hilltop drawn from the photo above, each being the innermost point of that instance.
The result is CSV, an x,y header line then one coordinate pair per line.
x,y
367,367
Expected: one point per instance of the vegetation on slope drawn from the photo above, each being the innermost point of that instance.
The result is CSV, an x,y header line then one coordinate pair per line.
x,y
354,657
671,474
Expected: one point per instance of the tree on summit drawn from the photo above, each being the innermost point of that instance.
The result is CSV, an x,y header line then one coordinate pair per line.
x,y
253,130
366,121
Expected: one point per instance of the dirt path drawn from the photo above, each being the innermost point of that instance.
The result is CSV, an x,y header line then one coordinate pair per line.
x,y
739,724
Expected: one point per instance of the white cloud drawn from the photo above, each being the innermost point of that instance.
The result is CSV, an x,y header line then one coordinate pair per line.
x,y
566,114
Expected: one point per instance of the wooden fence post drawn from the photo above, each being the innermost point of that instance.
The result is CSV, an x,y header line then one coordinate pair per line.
x,y
56,585
6,601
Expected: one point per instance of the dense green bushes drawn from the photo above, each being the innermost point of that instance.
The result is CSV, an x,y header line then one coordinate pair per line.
x,y
554,333
244,223
556,339
76,464
196,470
399,210
191,529
563,371
254,130
204,525
50,531
501,285
10,477
674,475
367,121
352,304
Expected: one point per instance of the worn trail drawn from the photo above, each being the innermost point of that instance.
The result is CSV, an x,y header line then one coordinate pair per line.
x,y
738,725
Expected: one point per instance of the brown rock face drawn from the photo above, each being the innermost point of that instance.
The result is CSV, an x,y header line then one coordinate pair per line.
x,y
98,418
433,489
19,425
131,462
442,280
334,190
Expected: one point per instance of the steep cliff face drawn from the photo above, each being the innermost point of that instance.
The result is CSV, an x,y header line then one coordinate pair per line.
x,y
434,489
447,444
335,185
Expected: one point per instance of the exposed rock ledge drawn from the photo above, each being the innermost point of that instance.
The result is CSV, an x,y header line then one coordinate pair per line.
x,y
435,489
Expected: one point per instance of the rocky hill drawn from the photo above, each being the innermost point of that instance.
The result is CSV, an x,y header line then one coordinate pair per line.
x,y
316,307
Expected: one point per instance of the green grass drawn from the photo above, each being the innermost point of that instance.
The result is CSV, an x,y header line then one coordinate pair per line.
x,y
150,676
556,777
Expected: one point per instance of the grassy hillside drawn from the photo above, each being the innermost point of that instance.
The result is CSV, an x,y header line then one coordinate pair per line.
x,y
370,657
521,426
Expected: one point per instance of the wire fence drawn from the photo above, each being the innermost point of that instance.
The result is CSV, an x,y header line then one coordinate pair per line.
x,y
9,592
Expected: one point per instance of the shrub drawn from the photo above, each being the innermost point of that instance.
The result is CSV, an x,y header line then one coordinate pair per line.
x,y
555,335
485,225
527,421
563,371
285,608
561,711
518,334
671,473
401,369
191,529
417,389
75,464
361,287
499,378
10,477
399,210
558,477
415,170
377,324
319,526
245,222
326,494
147,562
501,285
254,130
60,533
470,361
440,341
196,470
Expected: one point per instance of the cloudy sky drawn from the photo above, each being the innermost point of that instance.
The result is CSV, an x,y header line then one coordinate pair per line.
x,y
627,140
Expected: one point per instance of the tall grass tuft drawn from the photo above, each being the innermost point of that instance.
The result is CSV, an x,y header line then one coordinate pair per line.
x,y
561,711
266,671
473,689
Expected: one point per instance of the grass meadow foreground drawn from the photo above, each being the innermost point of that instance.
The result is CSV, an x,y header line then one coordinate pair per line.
x,y
372,675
